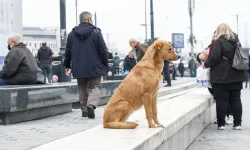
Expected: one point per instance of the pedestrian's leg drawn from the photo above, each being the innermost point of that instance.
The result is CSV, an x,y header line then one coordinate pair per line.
x,y
168,79
222,99
229,110
229,119
94,95
49,73
235,98
118,69
83,95
43,68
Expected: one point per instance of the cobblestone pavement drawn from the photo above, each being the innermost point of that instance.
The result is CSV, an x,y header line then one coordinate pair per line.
x,y
213,139
31,134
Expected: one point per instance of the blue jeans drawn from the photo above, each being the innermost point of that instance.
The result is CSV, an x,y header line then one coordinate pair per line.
x,y
47,72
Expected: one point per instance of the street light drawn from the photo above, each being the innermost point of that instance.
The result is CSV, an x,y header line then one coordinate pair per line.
x,y
237,22
145,24
146,31
191,5
152,20
76,3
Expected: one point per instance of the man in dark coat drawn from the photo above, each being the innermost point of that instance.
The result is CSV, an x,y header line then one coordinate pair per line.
x,y
44,57
181,68
129,62
192,67
140,48
20,67
166,73
87,55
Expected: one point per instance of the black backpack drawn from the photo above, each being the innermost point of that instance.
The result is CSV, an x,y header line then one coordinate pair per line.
x,y
241,59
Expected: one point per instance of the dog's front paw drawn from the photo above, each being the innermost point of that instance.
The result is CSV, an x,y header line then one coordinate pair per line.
x,y
152,126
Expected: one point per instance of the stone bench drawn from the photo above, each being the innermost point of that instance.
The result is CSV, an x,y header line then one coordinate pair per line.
x,y
184,118
24,103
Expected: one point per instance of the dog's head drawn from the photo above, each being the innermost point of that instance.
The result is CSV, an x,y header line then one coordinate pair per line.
x,y
164,50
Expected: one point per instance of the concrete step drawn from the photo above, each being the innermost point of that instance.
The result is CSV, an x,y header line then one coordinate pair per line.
x,y
184,118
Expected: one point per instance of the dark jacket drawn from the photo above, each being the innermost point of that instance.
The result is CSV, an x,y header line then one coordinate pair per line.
x,y
86,52
20,66
181,67
110,55
221,69
129,63
140,50
44,55
192,64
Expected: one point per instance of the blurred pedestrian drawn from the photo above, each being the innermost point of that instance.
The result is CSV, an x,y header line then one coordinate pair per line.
x,y
87,55
140,48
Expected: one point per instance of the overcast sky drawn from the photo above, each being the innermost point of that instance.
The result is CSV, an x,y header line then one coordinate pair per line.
x,y
122,18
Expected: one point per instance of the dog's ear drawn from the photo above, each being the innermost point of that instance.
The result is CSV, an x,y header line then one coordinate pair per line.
x,y
158,45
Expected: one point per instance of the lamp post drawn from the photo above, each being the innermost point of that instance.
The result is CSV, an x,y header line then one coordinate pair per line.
x,y
62,26
145,24
95,19
152,20
76,3
146,32
191,38
237,22
60,70
76,12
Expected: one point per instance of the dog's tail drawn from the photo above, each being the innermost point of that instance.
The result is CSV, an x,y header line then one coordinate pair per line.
x,y
120,125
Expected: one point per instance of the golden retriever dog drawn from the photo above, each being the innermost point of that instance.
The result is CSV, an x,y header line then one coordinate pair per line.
x,y
138,89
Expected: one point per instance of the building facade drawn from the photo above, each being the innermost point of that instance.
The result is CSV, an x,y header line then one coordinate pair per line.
x,y
33,37
10,22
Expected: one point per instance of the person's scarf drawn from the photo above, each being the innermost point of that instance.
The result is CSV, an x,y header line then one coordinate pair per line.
x,y
211,47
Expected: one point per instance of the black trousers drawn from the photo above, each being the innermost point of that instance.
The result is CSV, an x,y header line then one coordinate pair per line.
x,y
226,96
174,75
182,73
166,72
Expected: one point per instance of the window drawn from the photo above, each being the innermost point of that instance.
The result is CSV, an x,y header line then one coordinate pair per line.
x,y
35,45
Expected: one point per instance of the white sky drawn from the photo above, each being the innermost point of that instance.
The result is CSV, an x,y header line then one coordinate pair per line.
x,y
122,18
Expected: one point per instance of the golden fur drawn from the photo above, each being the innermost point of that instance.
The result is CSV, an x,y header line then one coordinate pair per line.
x,y
139,88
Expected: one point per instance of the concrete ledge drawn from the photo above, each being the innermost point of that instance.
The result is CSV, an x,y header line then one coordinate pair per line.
x,y
184,119
29,102
162,92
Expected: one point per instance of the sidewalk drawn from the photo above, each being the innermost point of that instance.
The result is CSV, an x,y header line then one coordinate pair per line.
x,y
213,139
31,134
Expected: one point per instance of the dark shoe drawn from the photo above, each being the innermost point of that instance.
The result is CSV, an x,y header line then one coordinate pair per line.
x,y
91,111
84,114
167,85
